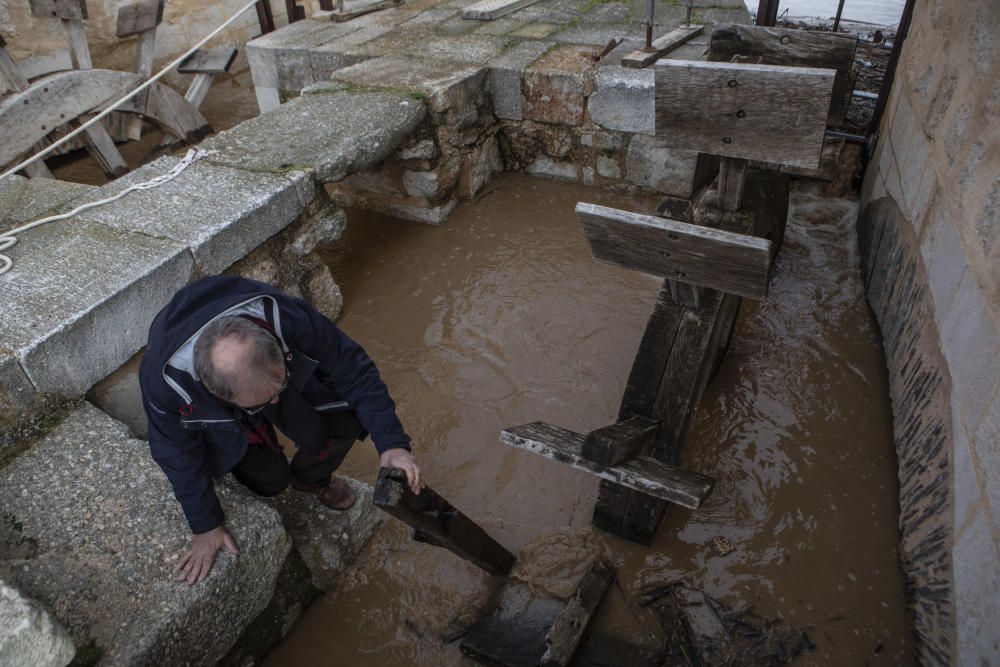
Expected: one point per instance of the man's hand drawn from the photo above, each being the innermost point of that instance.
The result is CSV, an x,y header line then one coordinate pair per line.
x,y
197,563
404,460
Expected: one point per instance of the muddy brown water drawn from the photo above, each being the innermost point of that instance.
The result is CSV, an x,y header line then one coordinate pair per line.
x,y
500,317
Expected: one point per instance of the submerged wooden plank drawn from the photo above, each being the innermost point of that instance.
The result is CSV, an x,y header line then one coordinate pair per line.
x,y
757,112
566,633
611,445
487,10
799,48
641,473
677,250
661,46
437,522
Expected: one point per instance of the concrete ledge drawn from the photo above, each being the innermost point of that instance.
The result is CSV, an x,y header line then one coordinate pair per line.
x,y
24,200
442,83
331,134
91,529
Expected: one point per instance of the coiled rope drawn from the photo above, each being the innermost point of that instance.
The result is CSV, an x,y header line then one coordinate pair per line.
x,y
9,239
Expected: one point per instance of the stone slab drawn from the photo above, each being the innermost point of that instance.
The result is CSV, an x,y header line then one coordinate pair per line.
x,y
28,633
16,391
555,86
219,213
80,297
91,529
477,50
507,75
444,84
665,170
331,134
328,540
596,35
623,99
24,200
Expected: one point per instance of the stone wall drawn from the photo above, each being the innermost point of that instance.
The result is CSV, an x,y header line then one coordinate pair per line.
x,y
930,239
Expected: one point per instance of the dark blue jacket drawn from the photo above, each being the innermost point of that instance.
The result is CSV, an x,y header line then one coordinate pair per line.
x,y
194,436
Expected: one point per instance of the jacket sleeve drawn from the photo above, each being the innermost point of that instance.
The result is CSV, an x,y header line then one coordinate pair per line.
x,y
353,375
181,455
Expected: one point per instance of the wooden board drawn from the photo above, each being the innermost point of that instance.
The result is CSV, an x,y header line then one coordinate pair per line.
x,y
487,10
208,61
437,522
757,112
643,474
680,251
566,633
59,9
170,112
28,116
800,48
662,46
139,16
611,445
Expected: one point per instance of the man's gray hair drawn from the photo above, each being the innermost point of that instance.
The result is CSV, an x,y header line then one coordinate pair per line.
x,y
264,361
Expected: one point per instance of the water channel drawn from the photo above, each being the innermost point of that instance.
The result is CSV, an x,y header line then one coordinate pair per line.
x,y
500,317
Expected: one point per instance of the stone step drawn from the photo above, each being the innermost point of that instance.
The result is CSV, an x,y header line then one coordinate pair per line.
x,y
90,528
24,200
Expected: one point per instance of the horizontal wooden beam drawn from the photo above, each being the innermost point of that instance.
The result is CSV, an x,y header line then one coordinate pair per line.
x,y
435,521
614,444
566,634
59,9
757,112
644,474
662,46
680,251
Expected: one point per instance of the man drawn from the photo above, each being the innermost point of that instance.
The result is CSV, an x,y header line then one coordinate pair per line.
x,y
230,359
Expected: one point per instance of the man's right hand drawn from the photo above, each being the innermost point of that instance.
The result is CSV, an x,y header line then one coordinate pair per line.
x,y
197,563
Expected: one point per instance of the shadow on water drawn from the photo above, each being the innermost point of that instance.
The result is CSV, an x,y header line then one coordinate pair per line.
x,y
500,317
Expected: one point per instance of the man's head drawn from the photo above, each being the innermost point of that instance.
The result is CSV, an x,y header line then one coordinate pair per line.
x,y
240,362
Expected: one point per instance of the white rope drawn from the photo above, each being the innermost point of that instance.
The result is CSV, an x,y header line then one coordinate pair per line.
x,y
144,86
9,239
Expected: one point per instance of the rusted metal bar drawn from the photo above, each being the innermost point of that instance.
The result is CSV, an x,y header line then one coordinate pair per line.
x,y
890,70
650,8
767,12
264,16
836,20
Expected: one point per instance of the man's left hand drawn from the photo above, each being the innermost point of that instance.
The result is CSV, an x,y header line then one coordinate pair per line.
x,y
405,461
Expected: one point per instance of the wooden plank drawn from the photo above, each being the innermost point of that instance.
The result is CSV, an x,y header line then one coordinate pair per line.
x,y
144,49
79,50
102,148
680,251
28,116
799,48
732,177
38,66
611,445
138,17
10,71
59,9
644,474
196,92
487,10
437,522
757,112
208,61
662,46
566,634
174,115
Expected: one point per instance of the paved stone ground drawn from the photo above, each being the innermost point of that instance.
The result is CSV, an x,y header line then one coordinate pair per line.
x,y
91,529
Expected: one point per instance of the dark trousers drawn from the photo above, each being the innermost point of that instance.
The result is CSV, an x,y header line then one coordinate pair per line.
x,y
266,470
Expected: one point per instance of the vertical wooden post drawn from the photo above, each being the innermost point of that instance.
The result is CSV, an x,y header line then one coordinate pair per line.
x,y
732,176
265,16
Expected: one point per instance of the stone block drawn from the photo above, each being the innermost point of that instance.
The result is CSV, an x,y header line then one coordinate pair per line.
x,y
596,36
327,540
505,25
666,170
623,100
977,593
604,141
293,57
971,344
325,227
16,391
564,171
28,633
407,208
80,297
332,135
421,150
477,50
24,200
219,213
106,568
536,31
506,76
944,258
422,183
323,293
608,167
443,85
556,86
480,167
608,12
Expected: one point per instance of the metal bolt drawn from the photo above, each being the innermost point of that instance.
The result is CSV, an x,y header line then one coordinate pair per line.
x,y
732,83
727,140
45,90
741,114
44,128
785,39
26,101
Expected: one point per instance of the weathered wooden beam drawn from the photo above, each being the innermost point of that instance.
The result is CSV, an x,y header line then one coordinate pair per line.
x,y
435,521
799,48
644,474
145,47
209,61
79,50
662,46
138,17
611,445
566,634
487,10
732,177
60,9
680,251
757,112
